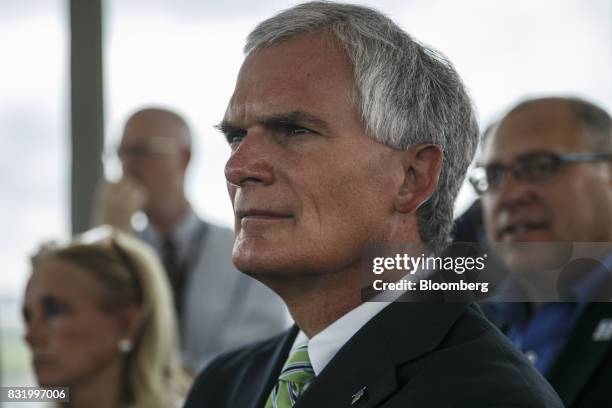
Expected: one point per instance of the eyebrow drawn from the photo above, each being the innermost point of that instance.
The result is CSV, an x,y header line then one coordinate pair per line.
x,y
228,127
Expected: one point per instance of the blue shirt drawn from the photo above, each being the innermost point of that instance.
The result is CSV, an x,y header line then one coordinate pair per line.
x,y
542,334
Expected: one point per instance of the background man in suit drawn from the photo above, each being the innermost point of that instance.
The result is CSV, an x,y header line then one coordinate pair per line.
x,y
219,308
338,125
559,189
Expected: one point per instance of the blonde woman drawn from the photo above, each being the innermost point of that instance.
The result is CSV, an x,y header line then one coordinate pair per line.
x,y
100,320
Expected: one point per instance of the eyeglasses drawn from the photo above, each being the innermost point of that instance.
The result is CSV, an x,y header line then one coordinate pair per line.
x,y
154,146
529,168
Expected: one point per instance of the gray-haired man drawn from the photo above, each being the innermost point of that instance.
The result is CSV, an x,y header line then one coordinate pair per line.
x,y
338,125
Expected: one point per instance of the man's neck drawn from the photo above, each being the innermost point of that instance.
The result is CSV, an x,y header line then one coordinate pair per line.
x,y
167,219
316,301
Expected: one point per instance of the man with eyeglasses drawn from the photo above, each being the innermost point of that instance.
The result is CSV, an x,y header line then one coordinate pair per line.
x,y
545,176
218,307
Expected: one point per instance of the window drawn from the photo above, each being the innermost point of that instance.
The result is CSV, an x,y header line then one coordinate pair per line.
x,y
186,54
34,165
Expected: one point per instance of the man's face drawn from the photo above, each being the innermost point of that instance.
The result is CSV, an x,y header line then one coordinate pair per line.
x,y
573,205
151,155
308,187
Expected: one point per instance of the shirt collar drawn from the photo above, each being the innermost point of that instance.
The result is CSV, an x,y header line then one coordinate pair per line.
x,y
181,234
324,346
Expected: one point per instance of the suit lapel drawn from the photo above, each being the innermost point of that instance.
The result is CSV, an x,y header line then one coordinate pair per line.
x,y
581,354
363,372
267,376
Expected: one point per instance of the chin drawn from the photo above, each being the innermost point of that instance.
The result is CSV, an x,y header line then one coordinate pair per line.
x,y
258,254
261,261
258,264
536,256
46,379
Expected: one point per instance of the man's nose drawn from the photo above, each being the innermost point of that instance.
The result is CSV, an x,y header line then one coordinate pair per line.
x,y
252,161
510,192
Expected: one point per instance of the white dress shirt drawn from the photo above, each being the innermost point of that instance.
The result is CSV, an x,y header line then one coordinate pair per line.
x,y
324,345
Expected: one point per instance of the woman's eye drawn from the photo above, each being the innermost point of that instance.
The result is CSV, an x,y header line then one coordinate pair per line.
x,y
26,315
53,308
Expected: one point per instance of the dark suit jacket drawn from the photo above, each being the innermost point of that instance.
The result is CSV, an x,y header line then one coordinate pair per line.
x,y
582,372
409,355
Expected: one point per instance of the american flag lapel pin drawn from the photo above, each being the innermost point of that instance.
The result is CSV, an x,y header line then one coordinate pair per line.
x,y
356,397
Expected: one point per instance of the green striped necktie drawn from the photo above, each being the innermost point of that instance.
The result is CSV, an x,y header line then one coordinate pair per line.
x,y
294,379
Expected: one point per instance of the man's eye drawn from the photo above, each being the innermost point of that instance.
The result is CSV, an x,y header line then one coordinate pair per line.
x,y
234,139
235,143
300,131
541,166
290,129
134,151
494,173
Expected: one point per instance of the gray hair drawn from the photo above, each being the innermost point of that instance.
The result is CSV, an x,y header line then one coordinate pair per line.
x,y
407,93
595,121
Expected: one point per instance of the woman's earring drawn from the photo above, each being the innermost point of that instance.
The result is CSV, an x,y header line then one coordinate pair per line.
x,y
124,345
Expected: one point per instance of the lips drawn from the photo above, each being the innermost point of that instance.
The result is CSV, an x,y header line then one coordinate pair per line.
x,y
258,207
260,214
521,230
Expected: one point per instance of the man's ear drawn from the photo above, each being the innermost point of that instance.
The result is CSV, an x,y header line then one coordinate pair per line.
x,y
422,165
185,158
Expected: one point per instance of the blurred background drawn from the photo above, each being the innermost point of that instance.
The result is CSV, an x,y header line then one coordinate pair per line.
x,y
61,105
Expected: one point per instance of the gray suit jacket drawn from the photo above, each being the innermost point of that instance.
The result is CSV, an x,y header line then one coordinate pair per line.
x,y
222,308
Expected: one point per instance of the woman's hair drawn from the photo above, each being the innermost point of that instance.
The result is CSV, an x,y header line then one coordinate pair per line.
x,y
130,273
